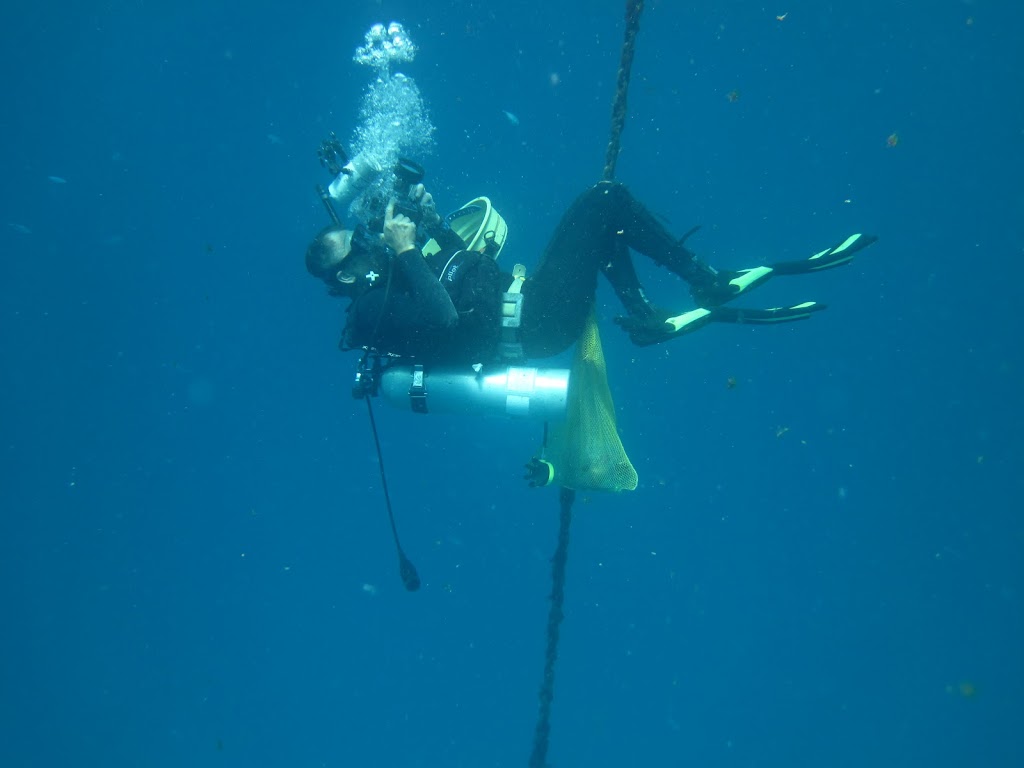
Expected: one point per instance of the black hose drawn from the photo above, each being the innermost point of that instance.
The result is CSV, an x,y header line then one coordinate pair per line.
x,y
406,569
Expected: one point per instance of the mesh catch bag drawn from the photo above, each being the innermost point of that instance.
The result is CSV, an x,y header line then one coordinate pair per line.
x,y
585,449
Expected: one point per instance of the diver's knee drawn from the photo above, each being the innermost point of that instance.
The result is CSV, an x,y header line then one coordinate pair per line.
x,y
614,192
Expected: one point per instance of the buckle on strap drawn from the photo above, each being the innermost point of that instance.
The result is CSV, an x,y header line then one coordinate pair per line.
x,y
418,390
518,278
512,315
512,300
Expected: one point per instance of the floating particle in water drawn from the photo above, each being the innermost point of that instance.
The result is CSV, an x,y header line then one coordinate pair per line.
x,y
966,688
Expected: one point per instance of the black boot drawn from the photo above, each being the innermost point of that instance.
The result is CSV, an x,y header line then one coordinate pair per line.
x,y
708,286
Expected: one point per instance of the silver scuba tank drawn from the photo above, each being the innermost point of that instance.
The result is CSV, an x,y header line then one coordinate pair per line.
x,y
520,391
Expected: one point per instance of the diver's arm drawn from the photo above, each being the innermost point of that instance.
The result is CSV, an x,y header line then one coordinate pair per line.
x,y
431,304
448,239
430,225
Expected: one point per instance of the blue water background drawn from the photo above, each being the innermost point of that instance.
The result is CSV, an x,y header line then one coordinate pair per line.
x,y
822,564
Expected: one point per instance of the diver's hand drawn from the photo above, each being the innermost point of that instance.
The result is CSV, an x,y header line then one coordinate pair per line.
x,y
419,195
399,230
539,473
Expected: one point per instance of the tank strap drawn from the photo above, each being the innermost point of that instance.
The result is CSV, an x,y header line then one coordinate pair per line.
x,y
511,347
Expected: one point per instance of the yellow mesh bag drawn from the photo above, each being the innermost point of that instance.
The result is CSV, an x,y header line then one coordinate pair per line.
x,y
585,449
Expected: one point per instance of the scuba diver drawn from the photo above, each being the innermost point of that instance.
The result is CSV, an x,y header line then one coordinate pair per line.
x,y
448,302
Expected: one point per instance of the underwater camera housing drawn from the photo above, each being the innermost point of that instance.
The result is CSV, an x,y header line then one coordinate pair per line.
x,y
407,173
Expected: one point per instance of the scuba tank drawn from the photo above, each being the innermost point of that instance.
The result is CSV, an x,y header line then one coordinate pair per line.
x,y
518,391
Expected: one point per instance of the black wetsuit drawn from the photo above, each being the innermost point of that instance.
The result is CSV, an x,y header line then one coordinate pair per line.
x,y
442,310
435,310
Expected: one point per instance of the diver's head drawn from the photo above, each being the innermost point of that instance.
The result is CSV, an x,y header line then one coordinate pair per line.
x,y
347,261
